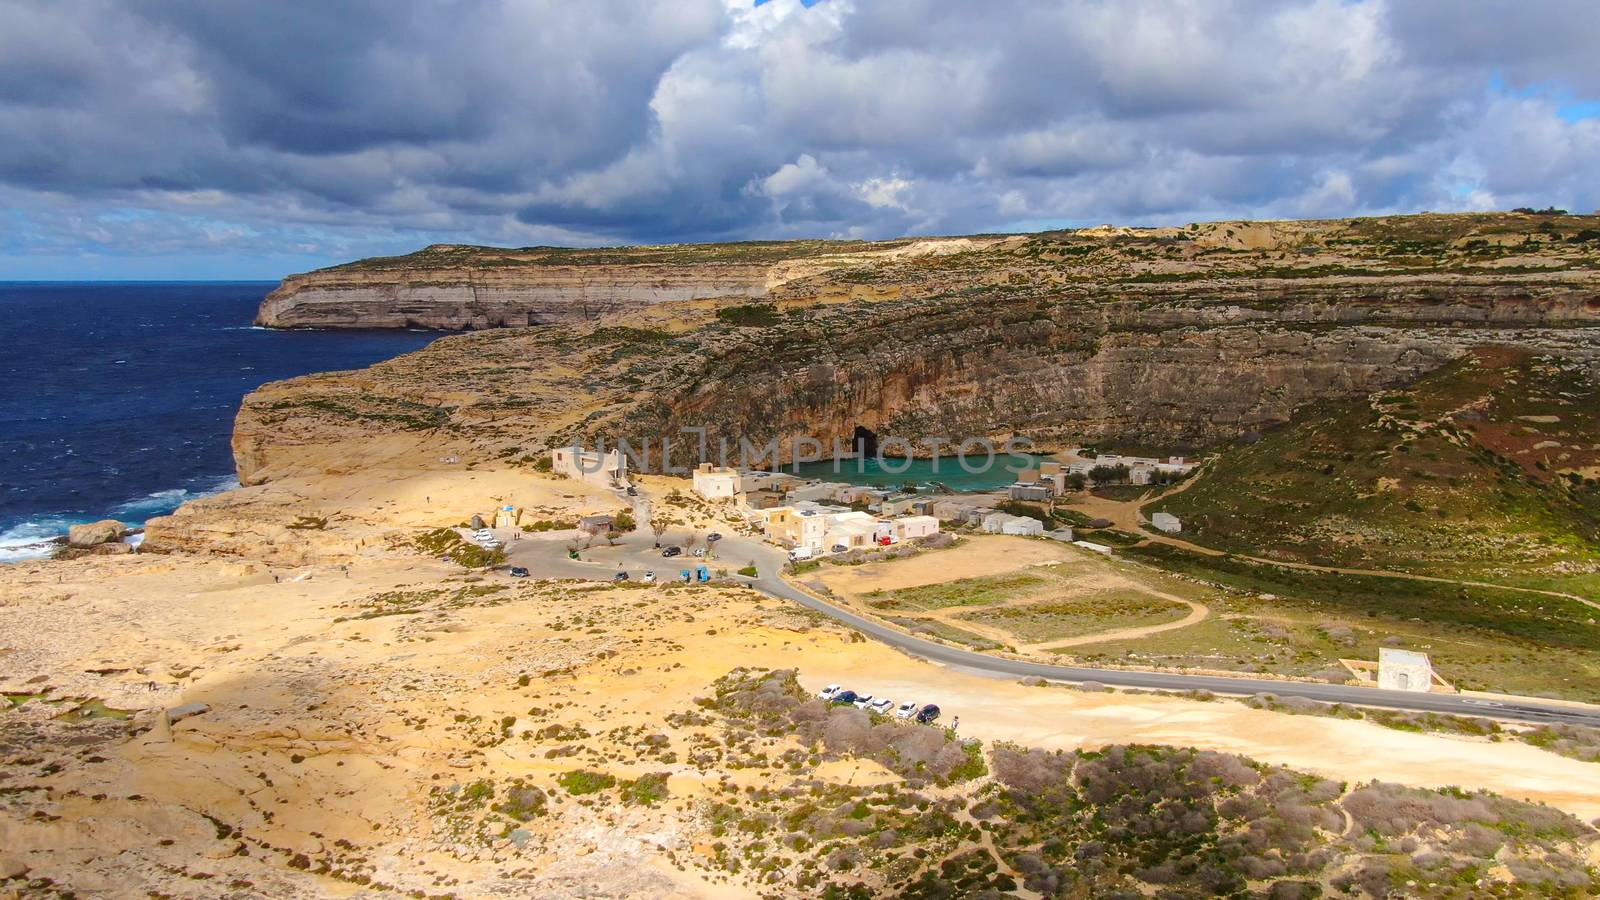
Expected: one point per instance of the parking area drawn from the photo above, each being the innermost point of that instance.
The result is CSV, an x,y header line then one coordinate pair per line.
x,y
903,710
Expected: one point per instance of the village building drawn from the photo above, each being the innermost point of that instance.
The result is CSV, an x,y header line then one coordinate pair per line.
x,y
898,504
1063,534
910,528
1005,523
507,517
764,499
716,482
851,530
1166,522
762,480
797,526
1404,670
1036,491
817,491
607,470
599,524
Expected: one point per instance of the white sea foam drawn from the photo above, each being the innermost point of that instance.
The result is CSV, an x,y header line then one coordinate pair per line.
x,y
31,540
34,539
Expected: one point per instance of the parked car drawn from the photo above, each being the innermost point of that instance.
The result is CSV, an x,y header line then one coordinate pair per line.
x,y
800,554
519,572
699,551
672,551
633,491
649,578
862,700
843,697
881,706
906,710
840,548
621,576
927,714
828,692
713,537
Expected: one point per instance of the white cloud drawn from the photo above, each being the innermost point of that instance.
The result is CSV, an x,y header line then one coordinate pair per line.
x,y
498,121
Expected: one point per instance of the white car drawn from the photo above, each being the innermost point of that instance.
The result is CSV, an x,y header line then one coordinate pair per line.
x,y
906,710
483,534
881,706
649,578
863,700
828,692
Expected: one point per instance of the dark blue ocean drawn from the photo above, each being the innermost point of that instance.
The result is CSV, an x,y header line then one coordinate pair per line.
x,y
117,399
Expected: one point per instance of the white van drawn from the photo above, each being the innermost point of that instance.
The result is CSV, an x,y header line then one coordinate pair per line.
x,y
800,554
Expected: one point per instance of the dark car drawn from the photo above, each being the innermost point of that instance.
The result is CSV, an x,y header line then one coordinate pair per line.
x,y
713,537
519,572
844,698
633,491
927,714
672,551
840,548
621,576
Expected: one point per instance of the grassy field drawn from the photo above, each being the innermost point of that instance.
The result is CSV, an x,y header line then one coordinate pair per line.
x,y
1054,620
1271,619
1484,470
984,591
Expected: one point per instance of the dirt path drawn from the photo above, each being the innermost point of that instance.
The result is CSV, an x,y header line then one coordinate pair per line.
x,y
1197,614
1127,516
957,617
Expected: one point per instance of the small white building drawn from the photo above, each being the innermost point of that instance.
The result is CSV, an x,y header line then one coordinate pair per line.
x,y
715,483
909,528
1005,523
818,491
1404,670
1166,522
607,470
850,530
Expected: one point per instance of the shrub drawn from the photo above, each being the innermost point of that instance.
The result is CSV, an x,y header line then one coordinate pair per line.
x,y
582,782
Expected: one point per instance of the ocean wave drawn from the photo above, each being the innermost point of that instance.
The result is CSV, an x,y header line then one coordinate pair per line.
x,y
160,503
34,539
31,540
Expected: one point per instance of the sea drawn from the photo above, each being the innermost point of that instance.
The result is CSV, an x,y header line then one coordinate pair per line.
x,y
117,398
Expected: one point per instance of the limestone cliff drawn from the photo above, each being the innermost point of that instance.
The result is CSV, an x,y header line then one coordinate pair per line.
x,y
458,287
1161,336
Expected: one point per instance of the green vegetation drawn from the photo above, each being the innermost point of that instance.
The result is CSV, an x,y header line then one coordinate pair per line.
x,y
1482,470
752,315
1059,619
1124,821
983,591
1298,623
580,782
646,790
446,542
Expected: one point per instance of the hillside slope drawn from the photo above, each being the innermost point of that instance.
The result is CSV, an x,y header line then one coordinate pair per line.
x,y
1485,469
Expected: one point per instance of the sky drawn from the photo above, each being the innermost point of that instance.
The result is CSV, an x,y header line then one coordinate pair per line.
x,y
152,139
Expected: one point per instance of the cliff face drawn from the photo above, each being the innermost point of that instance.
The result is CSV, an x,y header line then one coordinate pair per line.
x,y
458,288
1157,337
458,299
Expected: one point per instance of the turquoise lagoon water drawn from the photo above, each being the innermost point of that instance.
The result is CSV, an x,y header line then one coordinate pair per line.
x,y
946,470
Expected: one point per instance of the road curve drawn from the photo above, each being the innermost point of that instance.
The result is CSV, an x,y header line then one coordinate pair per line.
x,y
1452,704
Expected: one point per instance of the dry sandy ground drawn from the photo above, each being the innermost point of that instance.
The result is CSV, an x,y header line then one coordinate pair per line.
x,y
346,699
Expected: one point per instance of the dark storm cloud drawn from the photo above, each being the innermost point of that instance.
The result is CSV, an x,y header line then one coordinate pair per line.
x,y
316,126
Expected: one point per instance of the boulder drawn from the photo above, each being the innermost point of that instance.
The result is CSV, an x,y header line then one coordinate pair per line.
x,y
95,533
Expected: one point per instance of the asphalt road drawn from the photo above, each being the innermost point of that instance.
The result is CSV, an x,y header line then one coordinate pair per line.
x,y
547,557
